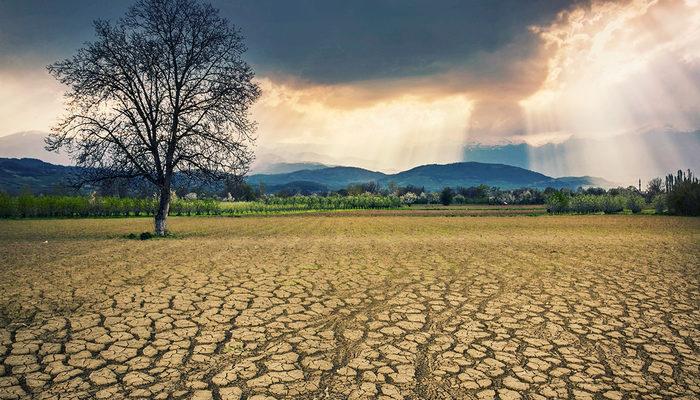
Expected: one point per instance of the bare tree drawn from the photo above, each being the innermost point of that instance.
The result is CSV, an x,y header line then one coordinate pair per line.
x,y
162,91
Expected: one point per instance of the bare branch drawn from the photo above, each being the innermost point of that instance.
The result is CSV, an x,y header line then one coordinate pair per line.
x,y
164,90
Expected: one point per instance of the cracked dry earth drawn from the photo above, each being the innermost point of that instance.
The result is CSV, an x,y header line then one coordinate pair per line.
x,y
336,307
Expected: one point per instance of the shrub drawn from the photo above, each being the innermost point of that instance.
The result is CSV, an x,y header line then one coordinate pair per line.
x,y
408,198
446,196
659,202
145,235
428,198
314,202
635,203
584,204
611,204
558,202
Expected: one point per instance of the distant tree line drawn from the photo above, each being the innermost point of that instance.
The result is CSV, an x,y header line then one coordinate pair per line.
x,y
677,195
410,194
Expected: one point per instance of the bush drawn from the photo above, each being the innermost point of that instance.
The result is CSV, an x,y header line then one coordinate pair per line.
x,y
363,201
659,202
558,202
409,198
145,235
610,204
446,196
584,204
635,203
428,198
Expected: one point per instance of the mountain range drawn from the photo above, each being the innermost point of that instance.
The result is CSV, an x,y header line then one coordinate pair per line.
x,y
622,158
432,177
22,174
17,175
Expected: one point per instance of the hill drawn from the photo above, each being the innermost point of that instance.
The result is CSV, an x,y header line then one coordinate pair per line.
x,y
37,176
30,174
437,176
623,158
333,177
432,177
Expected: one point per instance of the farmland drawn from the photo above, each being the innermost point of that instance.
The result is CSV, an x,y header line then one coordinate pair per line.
x,y
410,303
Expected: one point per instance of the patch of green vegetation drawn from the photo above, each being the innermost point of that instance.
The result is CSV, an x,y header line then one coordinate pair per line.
x,y
30,206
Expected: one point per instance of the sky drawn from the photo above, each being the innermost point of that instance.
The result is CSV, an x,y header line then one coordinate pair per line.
x,y
390,84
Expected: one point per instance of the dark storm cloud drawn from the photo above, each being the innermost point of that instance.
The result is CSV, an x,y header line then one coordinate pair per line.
x,y
325,41
46,29
340,41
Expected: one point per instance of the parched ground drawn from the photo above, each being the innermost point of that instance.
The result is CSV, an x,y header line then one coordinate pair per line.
x,y
350,306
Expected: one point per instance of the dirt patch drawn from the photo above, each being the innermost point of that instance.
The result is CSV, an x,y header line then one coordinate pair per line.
x,y
352,307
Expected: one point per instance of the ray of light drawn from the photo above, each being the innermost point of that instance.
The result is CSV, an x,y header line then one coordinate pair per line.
x,y
618,68
399,132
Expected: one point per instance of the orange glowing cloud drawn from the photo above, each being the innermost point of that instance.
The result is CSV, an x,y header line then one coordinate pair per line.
x,y
598,70
386,133
398,123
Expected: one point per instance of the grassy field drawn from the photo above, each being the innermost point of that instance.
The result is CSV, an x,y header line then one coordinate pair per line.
x,y
360,305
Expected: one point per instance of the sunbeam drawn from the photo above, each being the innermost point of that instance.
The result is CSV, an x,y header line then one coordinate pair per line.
x,y
617,68
399,132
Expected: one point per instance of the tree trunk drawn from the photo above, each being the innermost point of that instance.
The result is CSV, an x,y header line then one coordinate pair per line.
x,y
162,214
